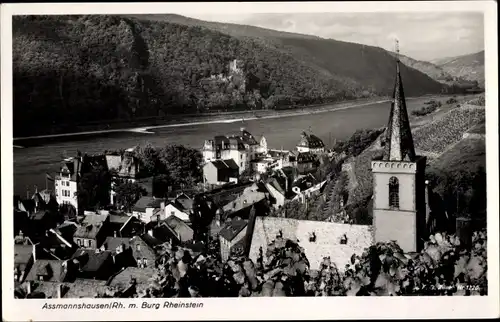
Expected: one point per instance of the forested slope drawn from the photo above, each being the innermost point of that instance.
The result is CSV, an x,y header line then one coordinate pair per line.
x,y
71,70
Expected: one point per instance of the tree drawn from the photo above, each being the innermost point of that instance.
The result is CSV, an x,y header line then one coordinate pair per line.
x,y
182,165
149,160
93,188
127,193
204,210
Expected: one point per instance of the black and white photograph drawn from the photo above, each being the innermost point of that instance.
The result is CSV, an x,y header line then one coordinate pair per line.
x,y
163,157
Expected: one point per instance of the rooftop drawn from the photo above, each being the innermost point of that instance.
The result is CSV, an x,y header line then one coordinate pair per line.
x,y
141,276
90,260
22,254
310,141
233,228
225,164
112,243
52,270
91,225
147,202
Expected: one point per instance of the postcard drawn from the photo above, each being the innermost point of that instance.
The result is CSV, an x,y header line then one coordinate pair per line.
x,y
247,161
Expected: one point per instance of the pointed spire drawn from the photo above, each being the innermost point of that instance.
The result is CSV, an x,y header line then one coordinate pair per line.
x,y
399,141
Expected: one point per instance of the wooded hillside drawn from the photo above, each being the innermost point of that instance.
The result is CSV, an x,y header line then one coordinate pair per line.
x,y
71,70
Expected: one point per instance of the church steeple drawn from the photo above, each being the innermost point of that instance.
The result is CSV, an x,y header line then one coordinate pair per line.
x,y
399,141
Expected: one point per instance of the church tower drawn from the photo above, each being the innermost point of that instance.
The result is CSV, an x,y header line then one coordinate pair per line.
x,y
399,207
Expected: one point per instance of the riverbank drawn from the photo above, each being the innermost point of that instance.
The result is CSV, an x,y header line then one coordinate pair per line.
x,y
143,126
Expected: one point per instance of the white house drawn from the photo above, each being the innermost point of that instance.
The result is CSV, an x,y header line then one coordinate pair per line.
x,y
149,209
310,143
66,183
180,207
242,147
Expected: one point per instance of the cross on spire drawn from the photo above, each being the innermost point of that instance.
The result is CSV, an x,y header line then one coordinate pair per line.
x,y
399,142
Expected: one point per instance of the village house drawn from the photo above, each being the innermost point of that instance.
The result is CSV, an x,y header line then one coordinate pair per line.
x,y
172,230
132,280
92,264
122,225
277,196
242,147
218,172
310,143
142,251
123,166
40,222
148,209
23,261
92,231
180,207
48,270
66,182
229,236
22,222
56,245
306,186
250,195
307,162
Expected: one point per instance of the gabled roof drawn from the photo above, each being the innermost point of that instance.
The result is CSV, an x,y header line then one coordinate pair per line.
x,y
22,254
85,288
225,164
306,157
141,276
185,203
327,243
90,260
180,227
310,141
144,250
150,240
39,215
233,228
398,139
91,225
112,243
147,202
52,269
275,184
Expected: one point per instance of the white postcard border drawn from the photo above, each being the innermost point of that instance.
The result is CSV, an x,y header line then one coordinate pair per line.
x,y
258,308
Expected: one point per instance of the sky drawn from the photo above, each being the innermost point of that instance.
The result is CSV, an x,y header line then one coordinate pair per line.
x,y
422,36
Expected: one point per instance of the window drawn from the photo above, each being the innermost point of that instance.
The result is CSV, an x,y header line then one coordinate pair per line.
x,y
79,242
394,192
89,243
172,213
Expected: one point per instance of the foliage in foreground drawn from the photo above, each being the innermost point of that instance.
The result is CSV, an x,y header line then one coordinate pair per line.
x,y
443,267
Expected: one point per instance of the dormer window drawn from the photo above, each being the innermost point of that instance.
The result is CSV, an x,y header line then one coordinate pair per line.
x,y
343,240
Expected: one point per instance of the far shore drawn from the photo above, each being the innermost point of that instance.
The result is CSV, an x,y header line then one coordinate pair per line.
x,y
228,118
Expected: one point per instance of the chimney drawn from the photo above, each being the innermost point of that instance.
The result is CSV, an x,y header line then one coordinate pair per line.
x,y
59,290
464,231
114,234
28,287
162,205
150,232
34,252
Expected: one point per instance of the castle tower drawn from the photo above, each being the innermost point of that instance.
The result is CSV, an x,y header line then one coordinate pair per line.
x,y
399,207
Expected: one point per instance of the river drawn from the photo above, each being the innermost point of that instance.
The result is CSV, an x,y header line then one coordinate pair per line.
x,y
32,162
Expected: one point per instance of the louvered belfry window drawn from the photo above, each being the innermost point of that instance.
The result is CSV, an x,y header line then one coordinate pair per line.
x,y
394,192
